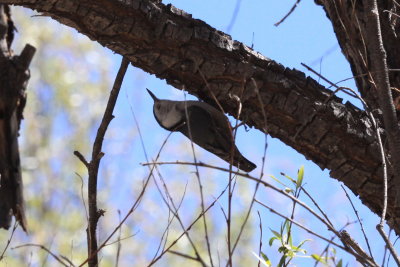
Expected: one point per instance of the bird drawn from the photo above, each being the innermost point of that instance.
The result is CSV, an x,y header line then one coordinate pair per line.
x,y
202,123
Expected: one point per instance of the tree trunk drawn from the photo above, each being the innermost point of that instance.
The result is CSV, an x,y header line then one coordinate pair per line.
x,y
13,78
191,55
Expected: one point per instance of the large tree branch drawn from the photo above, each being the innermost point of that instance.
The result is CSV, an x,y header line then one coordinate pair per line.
x,y
190,54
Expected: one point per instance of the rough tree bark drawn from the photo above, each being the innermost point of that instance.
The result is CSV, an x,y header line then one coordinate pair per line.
x,y
13,79
190,54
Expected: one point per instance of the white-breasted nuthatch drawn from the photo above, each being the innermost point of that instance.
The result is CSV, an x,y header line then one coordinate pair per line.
x,y
205,125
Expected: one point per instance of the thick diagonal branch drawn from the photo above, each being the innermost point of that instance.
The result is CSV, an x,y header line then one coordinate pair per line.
x,y
169,43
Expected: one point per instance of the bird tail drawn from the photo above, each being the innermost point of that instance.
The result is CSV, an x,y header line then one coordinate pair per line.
x,y
239,161
244,164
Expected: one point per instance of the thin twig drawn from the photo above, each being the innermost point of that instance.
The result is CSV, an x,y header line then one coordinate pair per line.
x,y
262,164
248,176
199,184
118,242
132,209
288,14
317,206
359,220
392,250
358,257
234,16
183,255
261,235
81,158
48,251
94,213
187,229
9,240
383,159
380,80
175,211
82,197
349,241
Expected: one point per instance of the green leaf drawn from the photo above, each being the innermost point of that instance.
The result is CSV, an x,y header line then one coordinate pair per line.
x,y
265,258
290,240
304,241
272,239
300,176
340,263
289,178
265,261
278,235
318,258
288,190
277,180
282,261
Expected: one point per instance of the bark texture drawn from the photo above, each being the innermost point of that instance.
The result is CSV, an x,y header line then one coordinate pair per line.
x,y
191,55
13,79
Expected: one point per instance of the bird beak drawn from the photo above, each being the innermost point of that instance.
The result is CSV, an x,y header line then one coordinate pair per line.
x,y
152,95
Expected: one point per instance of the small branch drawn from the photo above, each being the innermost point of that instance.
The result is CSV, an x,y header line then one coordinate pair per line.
x,y
200,187
365,261
81,158
132,209
187,228
350,242
93,166
359,220
288,14
9,240
48,251
264,183
261,235
379,78
396,257
183,255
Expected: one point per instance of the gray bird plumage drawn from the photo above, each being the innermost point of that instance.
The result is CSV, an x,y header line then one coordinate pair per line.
x,y
209,127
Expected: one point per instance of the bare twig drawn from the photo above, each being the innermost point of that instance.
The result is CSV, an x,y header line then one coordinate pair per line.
x,y
175,211
365,261
81,158
261,235
359,220
349,241
118,242
384,167
234,16
48,251
187,229
379,78
82,197
9,240
93,166
183,255
132,209
288,14
248,176
392,250
200,187
262,164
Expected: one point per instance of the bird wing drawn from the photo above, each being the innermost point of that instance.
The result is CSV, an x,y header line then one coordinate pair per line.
x,y
208,129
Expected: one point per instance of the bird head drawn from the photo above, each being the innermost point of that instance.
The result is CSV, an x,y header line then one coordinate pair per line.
x,y
165,112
